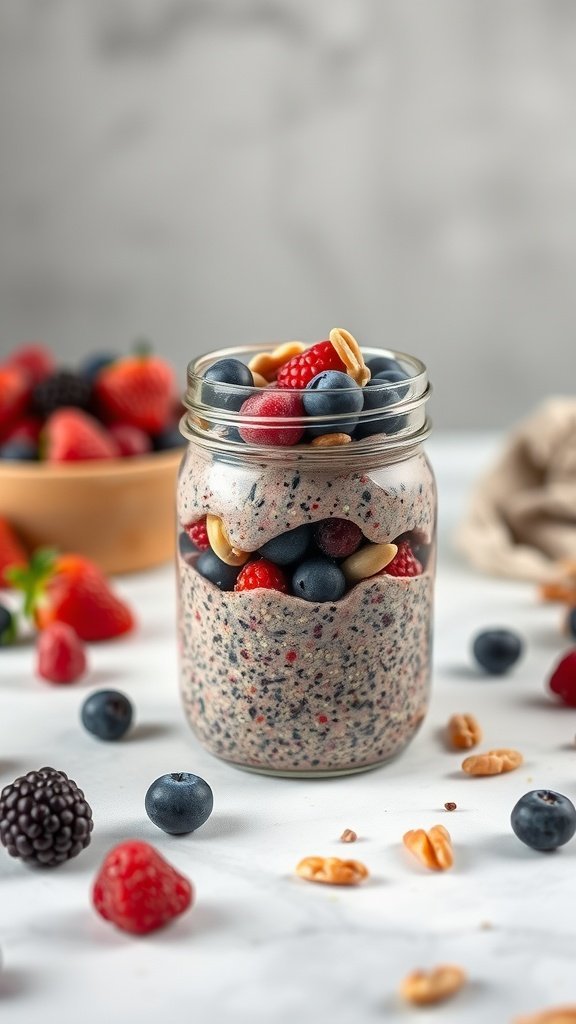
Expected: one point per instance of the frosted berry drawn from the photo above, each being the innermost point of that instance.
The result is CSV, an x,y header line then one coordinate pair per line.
x,y
61,654
300,370
497,650
338,538
333,393
107,714
218,572
318,579
179,803
544,820
382,364
44,818
227,384
404,562
563,679
278,405
288,547
139,891
261,574
198,535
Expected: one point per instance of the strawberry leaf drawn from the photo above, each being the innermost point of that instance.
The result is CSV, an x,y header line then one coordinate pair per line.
x,y
32,578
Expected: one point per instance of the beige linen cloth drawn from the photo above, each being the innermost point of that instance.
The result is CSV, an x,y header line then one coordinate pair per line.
x,y
522,517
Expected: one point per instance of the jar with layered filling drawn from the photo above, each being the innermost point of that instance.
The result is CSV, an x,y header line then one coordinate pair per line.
x,y
306,555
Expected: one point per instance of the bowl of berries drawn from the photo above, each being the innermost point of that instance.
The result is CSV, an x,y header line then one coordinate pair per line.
x,y
88,458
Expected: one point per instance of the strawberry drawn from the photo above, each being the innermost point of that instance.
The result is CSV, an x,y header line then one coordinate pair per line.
x,y
130,440
300,370
26,429
61,654
12,552
138,390
36,360
14,396
261,574
404,562
138,890
71,589
198,535
71,435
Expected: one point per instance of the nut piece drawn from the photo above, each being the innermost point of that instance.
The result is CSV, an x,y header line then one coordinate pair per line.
x,y
450,806
426,987
463,732
351,355
348,836
332,870
330,440
259,380
220,543
267,364
494,762
368,561
433,848
560,1015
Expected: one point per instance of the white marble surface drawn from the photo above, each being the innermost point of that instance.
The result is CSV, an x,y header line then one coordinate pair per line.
x,y
261,946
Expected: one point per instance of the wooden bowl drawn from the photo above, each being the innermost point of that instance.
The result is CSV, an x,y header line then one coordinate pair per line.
x,y
119,512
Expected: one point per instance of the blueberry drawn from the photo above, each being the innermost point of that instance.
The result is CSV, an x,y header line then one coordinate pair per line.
x,y
185,545
571,623
288,547
179,803
318,579
19,450
394,377
332,392
169,438
93,364
7,627
496,650
378,397
214,569
378,364
544,820
227,372
107,714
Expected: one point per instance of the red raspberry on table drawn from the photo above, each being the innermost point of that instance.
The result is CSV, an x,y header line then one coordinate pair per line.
x,y
404,562
277,405
261,574
61,654
138,890
299,370
199,535
563,679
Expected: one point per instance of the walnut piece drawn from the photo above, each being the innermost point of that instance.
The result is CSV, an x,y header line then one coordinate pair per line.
x,y
332,870
423,988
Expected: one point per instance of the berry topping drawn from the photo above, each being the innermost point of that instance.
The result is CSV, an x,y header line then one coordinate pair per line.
x,y
299,371
199,535
381,364
61,654
278,405
186,548
12,553
61,389
332,393
261,574
44,818
216,571
138,390
93,365
19,450
7,626
394,377
14,395
497,650
571,622
563,679
130,440
169,438
36,360
288,547
73,436
107,714
337,538
544,820
138,890
318,579
404,562
217,392
26,429
179,803
377,398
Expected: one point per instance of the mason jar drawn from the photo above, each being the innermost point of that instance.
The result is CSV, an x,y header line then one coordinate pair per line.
x,y
271,680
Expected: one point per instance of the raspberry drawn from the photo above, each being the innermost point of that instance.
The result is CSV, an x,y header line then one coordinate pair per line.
x,y
338,538
261,574
61,655
198,535
563,679
404,562
44,818
138,890
299,370
277,405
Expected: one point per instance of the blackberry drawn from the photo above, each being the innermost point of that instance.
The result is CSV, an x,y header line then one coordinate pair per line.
x,y
63,388
44,818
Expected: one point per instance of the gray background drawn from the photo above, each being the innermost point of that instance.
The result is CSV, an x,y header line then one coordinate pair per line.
x,y
211,172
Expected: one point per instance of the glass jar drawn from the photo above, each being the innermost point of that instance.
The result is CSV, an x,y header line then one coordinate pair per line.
x,y
274,682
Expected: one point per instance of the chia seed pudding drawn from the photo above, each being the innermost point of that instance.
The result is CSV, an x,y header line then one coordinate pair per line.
x,y
277,683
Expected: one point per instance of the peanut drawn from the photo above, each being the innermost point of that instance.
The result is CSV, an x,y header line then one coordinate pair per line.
x,y
426,987
348,836
560,1015
268,363
330,440
259,380
368,561
332,870
494,762
351,355
433,848
220,542
463,732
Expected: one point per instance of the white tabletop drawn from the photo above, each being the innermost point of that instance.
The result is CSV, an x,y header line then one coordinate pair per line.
x,y
260,946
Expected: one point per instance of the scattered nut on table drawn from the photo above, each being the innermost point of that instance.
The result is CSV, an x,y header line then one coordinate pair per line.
x,y
494,762
348,836
432,848
332,870
423,988
559,1015
463,731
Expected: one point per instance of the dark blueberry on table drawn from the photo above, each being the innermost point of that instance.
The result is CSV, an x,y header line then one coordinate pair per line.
x,y
544,820
337,538
169,438
179,803
288,547
214,569
377,398
571,622
216,390
44,818
318,579
107,714
497,650
19,451
394,377
63,388
7,627
379,364
94,364
332,392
